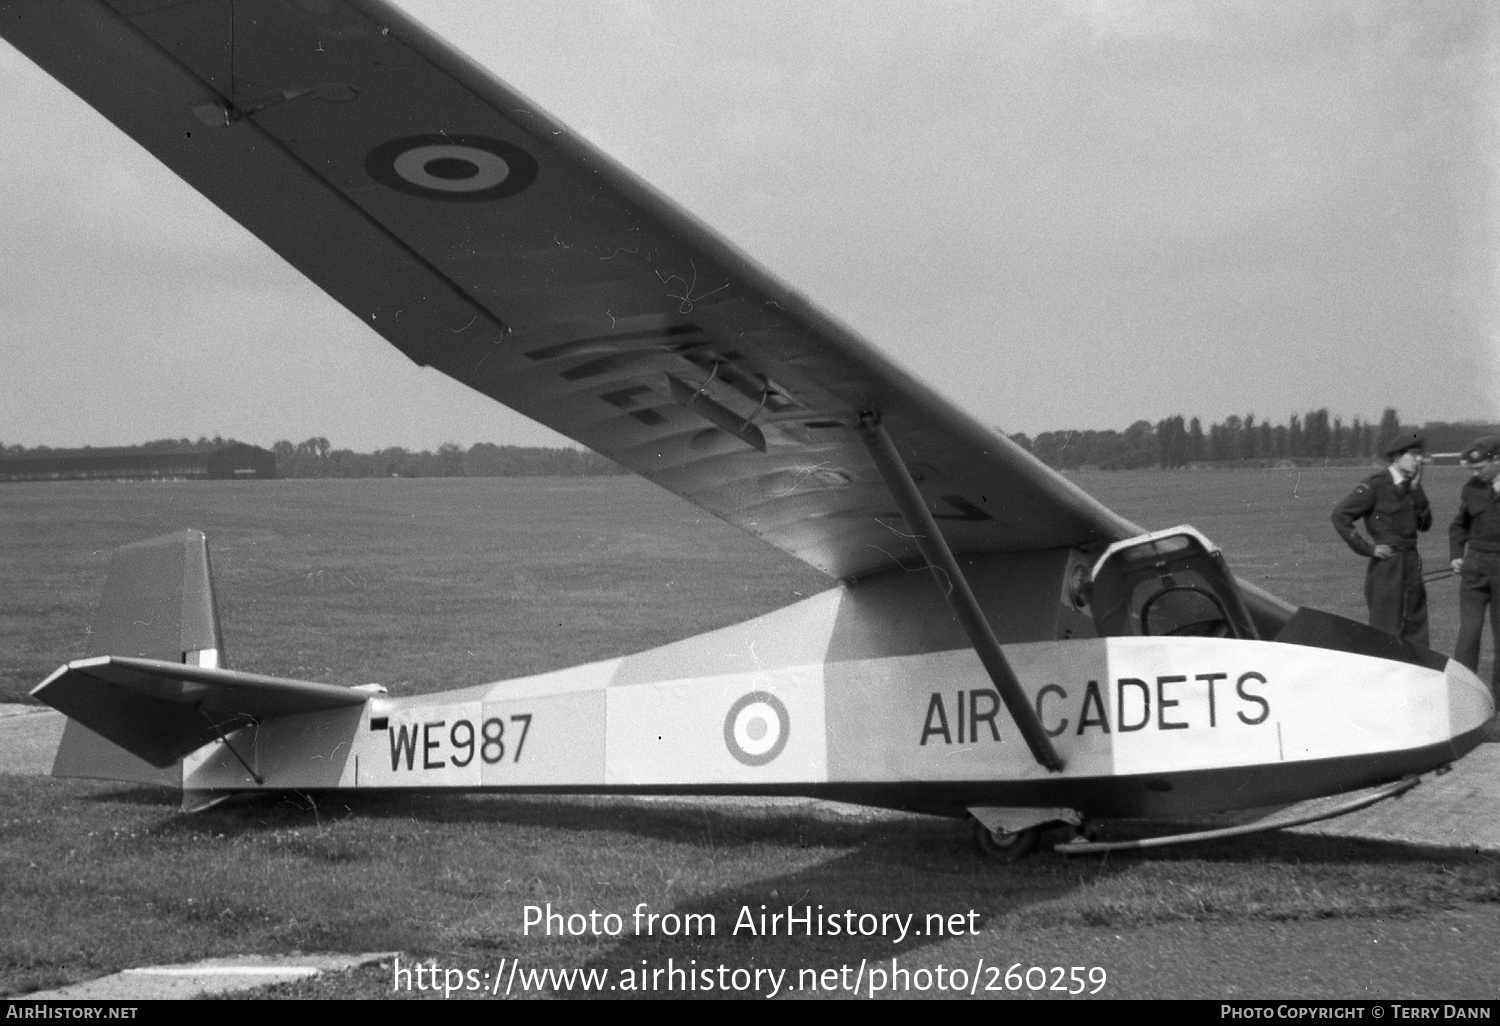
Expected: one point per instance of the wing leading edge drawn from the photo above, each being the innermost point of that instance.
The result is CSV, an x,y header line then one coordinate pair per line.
x,y
487,241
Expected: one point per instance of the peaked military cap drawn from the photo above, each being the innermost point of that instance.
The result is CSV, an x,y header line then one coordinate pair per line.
x,y
1404,441
1485,447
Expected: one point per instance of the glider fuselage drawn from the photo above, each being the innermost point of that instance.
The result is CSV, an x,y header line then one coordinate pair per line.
x,y
866,694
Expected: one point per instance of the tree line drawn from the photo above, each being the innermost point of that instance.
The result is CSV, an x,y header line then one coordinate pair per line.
x,y
1172,442
316,457
203,444
1178,442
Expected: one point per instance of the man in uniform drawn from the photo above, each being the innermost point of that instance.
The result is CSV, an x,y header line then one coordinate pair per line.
x,y
1474,546
1394,508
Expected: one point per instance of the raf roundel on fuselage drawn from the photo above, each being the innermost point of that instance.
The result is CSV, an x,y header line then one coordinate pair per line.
x,y
757,728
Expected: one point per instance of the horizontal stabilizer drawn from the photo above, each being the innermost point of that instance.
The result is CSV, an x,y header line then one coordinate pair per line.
x,y
161,711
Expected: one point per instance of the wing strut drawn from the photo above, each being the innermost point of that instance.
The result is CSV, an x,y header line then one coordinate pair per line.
x,y
965,606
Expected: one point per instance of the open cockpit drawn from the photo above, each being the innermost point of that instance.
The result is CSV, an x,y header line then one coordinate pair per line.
x,y
1171,583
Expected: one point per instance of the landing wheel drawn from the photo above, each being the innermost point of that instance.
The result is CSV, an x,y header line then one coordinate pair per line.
x,y
1006,846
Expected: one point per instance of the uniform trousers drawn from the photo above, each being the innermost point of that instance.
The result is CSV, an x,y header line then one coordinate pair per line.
x,y
1396,595
1476,591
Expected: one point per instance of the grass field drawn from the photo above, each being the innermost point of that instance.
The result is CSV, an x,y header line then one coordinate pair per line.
x,y
426,584
431,584
416,584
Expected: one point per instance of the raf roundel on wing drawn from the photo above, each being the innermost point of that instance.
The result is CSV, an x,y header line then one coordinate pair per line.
x,y
757,728
461,168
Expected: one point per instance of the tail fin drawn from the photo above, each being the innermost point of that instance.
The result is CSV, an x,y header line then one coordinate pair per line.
x,y
158,603
159,692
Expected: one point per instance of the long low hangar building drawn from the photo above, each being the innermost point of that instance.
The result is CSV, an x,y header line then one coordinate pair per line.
x,y
233,460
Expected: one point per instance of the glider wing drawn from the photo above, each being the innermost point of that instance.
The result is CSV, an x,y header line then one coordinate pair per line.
x,y
486,240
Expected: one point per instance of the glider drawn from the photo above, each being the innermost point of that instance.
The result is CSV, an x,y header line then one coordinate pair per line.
x,y
1058,664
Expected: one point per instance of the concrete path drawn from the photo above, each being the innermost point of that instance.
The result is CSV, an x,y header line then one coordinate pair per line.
x,y
28,738
1460,809
210,976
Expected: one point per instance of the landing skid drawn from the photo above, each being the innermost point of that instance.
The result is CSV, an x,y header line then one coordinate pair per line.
x,y
1295,815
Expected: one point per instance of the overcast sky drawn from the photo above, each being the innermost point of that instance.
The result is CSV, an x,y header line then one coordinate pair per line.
x,y
1069,214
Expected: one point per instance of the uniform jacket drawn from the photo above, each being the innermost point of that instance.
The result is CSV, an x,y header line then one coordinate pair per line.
x,y
1393,515
1477,524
